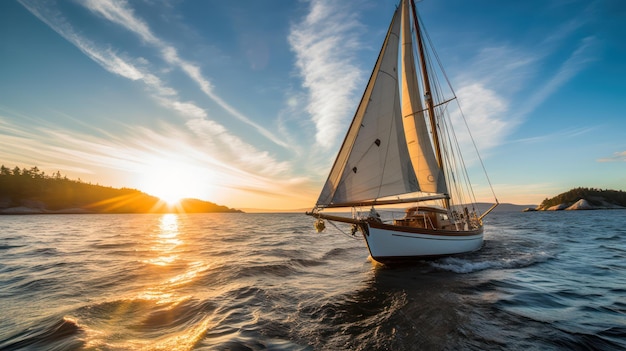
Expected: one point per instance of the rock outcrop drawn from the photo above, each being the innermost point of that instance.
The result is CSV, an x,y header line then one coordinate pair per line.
x,y
585,199
581,204
558,207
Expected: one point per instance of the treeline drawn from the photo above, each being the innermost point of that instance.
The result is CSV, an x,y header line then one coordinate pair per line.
x,y
34,189
592,195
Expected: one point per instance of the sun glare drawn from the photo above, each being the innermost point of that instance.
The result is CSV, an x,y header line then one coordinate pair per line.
x,y
172,181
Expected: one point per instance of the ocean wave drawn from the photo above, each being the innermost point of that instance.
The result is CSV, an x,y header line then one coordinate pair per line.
x,y
337,253
252,343
8,247
462,265
304,263
45,251
279,269
54,334
614,337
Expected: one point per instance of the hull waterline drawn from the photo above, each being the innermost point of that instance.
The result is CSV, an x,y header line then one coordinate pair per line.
x,y
390,245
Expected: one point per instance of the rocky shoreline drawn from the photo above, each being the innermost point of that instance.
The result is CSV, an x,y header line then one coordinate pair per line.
x,y
581,204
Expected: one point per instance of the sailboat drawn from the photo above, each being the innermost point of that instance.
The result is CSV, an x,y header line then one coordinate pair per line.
x,y
400,149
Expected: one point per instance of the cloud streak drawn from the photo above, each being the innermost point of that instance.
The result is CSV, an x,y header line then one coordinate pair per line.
x,y
617,157
120,13
560,134
325,44
499,72
577,61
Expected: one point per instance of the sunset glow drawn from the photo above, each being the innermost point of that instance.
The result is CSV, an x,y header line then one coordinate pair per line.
x,y
172,181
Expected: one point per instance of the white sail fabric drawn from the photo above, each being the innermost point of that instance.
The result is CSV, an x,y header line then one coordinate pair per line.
x,y
429,175
373,161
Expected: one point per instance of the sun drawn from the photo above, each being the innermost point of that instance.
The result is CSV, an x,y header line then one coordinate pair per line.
x,y
171,194
171,180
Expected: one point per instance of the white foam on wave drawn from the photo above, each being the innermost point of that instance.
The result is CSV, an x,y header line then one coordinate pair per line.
x,y
460,265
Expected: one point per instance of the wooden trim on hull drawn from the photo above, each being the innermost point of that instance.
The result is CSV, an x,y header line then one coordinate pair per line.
x,y
397,228
425,231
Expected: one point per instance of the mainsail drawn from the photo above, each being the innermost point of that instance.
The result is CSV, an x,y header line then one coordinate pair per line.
x,y
429,174
387,150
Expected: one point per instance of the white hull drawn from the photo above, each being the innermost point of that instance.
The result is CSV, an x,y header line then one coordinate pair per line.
x,y
391,245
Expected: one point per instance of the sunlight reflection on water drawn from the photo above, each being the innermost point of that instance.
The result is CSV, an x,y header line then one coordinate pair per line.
x,y
166,241
128,323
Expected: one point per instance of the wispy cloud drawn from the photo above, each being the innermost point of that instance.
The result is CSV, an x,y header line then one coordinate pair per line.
x,y
325,44
120,13
486,114
230,146
500,66
584,52
617,157
106,58
498,73
61,150
559,134
577,60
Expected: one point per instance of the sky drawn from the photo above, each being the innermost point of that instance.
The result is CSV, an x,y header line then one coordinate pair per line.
x,y
246,103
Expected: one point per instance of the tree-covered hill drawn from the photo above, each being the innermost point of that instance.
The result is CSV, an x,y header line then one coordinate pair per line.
x,y
595,197
33,189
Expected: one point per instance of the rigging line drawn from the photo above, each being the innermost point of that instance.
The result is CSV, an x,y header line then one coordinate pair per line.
x,y
439,63
479,157
453,166
452,147
456,149
342,232
425,109
457,173
461,111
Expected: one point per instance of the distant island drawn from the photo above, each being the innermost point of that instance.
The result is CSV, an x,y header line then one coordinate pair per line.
x,y
31,191
584,199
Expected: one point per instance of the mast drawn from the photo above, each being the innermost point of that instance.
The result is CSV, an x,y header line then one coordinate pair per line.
x,y
427,93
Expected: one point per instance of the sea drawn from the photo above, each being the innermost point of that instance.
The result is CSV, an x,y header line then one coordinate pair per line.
x,y
542,281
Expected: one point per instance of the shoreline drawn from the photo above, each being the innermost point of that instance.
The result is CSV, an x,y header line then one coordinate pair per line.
x,y
26,211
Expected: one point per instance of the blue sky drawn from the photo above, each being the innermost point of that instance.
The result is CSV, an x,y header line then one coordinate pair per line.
x,y
246,103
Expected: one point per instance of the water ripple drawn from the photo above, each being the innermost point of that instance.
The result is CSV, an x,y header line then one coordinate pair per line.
x,y
542,281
